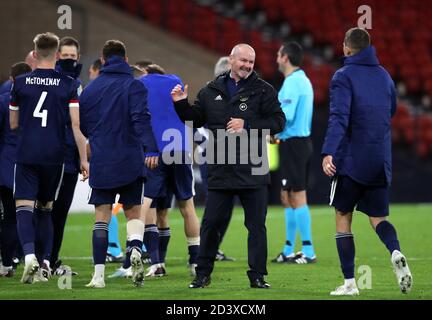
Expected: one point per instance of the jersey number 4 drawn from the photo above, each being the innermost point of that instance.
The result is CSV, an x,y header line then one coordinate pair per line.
x,y
37,113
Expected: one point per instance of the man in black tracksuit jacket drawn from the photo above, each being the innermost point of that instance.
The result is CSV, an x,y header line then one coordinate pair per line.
x,y
235,103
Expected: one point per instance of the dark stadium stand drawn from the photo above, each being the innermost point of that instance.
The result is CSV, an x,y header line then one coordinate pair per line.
x,y
319,25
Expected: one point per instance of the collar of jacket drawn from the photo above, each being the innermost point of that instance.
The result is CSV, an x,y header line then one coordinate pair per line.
x,y
366,57
74,71
219,83
116,64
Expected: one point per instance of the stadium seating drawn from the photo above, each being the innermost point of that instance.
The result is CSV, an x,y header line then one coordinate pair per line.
x,y
218,25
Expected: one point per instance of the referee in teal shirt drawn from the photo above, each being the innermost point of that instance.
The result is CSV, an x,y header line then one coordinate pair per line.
x,y
296,98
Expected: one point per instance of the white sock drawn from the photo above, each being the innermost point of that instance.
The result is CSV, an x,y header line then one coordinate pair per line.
x,y
29,257
99,271
47,263
350,283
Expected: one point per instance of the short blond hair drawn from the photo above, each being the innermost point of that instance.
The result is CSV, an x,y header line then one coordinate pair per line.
x,y
46,45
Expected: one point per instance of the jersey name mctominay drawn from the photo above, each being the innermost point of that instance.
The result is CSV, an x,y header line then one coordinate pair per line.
x,y
42,81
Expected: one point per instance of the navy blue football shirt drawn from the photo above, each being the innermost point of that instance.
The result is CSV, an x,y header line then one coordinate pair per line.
x,y
42,97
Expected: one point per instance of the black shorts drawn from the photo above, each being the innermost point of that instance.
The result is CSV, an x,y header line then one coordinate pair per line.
x,y
130,194
37,182
295,158
345,194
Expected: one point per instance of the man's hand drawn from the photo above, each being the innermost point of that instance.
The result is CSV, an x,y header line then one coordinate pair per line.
x,y
88,150
178,94
85,170
235,125
273,140
328,166
151,162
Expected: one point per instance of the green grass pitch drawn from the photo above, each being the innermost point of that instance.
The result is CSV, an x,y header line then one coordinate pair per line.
x,y
229,281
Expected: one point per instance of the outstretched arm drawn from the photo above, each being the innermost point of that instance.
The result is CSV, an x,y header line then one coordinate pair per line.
x,y
185,111
80,141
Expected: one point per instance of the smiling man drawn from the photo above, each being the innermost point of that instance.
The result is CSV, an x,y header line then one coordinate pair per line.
x,y
236,103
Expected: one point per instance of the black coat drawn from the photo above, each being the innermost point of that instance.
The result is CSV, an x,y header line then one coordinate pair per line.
x,y
257,103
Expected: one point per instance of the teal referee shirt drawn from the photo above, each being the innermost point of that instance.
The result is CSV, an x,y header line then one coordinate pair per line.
x,y
296,98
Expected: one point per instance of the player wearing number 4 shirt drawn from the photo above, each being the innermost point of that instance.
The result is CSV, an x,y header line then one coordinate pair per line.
x,y
38,105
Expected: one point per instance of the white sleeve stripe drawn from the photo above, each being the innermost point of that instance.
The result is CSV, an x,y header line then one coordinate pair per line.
x,y
74,105
13,108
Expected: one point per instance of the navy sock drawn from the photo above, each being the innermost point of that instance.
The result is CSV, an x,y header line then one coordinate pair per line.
x,y
8,242
100,242
193,253
126,261
26,229
387,234
151,241
44,234
136,244
346,250
164,238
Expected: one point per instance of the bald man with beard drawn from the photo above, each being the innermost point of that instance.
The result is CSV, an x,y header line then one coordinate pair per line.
x,y
236,104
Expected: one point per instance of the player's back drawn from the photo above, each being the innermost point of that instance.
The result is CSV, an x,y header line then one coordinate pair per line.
x,y
106,107
162,110
42,98
111,107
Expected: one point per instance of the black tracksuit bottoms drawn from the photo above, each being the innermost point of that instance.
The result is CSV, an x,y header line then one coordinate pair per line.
x,y
218,206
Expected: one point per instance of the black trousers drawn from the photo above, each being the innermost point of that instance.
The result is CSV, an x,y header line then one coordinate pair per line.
x,y
60,211
218,206
9,242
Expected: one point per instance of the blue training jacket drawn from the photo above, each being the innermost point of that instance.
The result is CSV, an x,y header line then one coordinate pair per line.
x,y
115,118
6,87
8,141
163,116
362,102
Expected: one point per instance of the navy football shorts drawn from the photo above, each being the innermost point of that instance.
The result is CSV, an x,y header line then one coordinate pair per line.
x,y
175,178
163,202
346,193
130,194
37,182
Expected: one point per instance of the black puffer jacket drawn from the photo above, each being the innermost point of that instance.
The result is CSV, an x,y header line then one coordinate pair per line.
x,y
257,103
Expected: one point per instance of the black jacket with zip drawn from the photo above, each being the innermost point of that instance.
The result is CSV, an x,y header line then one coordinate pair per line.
x,y
257,103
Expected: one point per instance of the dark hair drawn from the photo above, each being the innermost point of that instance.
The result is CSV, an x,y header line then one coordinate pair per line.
x,y
46,44
18,69
69,41
143,63
154,68
97,64
137,71
357,39
294,51
113,48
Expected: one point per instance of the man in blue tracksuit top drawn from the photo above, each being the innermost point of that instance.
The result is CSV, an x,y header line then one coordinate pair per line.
x,y
296,98
357,154
116,121
169,178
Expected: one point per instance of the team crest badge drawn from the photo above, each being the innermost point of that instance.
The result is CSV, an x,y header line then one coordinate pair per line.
x,y
244,99
243,106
